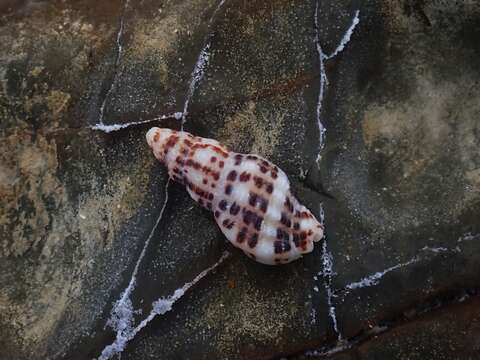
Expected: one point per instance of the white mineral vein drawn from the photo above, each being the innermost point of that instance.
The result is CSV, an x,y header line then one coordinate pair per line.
x,y
468,237
323,82
327,258
346,37
328,351
121,319
322,57
196,77
327,270
198,71
159,307
115,127
118,56
437,250
122,313
374,279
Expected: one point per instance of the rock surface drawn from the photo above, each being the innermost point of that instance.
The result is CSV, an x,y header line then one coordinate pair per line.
x,y
448,333
398,177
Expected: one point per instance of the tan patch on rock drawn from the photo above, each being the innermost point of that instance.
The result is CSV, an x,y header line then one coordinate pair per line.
x,y
249,315
253,130
473,177
38,221
160,36
438,119
413,133
57,101
28,178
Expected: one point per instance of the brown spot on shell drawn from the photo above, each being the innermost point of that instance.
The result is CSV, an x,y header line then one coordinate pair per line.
x,y
282,235
252,242
263,204
285,220
248,216
252,199
172,140
238,159
232,175
258,181
244,176
228,223
281,246
296,240
303,245
222,205
288,204
234,209
269,188
241,235
258,222
219,151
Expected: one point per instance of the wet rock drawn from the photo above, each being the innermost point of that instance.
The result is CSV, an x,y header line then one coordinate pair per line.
x,y
399,160
83,213
73,203
448,333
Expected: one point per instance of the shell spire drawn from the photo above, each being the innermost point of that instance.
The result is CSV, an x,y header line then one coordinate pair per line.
x,y
249,196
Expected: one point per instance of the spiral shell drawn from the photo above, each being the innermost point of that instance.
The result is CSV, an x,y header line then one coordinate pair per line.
x,y
249,196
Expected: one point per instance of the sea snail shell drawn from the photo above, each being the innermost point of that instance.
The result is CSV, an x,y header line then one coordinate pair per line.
x,y
249,196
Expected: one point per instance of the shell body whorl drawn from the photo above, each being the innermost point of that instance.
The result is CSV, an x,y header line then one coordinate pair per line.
x,y
249,196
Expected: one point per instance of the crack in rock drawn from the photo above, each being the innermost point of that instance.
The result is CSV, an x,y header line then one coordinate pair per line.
x,y
375,330
127,332
201,64
346,37
122,313
374,279
118,56
121,319
115,127
327,257
196,77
